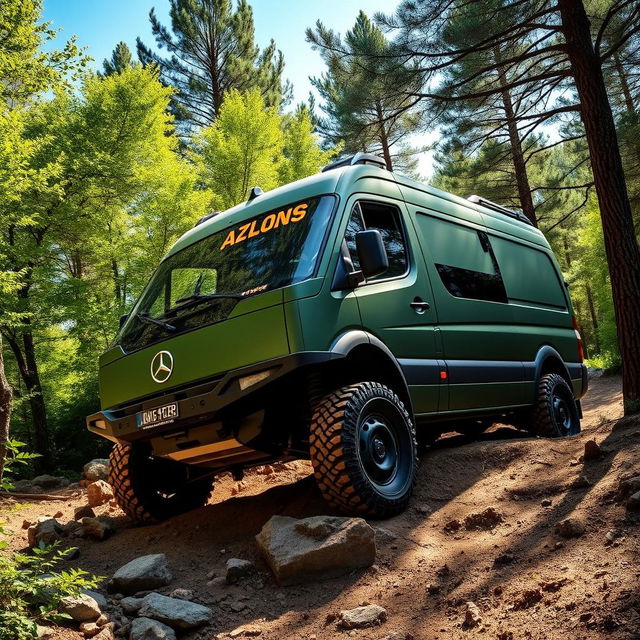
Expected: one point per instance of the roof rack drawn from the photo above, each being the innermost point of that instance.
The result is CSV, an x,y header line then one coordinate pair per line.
x,y
518,215
358,158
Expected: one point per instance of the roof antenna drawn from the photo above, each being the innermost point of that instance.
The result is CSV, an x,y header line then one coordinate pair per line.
x,y
255,192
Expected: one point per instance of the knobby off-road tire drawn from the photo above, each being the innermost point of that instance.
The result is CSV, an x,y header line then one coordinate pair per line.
x,y
150,489
363,450
555,414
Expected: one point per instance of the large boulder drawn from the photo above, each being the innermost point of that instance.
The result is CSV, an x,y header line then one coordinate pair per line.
x,y
142,574
314,548
147,629
82,608
99,493
26,486
45,530
97,469
50,483
179,614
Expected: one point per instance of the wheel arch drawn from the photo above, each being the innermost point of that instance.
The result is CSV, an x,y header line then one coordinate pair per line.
x,y
548,360
368,358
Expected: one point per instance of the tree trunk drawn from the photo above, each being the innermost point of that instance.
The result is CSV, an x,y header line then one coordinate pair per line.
x,y
28,368
517,156
6,398
623,253
594,318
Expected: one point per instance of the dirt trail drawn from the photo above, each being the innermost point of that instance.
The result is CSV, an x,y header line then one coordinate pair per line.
x,y
527,581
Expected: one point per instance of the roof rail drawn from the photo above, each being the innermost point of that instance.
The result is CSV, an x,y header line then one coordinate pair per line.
x,y
358,158
518,215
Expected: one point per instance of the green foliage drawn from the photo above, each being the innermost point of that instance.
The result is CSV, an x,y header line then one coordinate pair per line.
x,y
14,456
241,149
302,155
31,590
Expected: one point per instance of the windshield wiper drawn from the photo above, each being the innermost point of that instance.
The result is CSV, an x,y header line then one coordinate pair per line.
x,y
149,320
197,298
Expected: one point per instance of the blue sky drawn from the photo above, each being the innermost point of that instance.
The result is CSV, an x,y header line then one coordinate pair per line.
x,y
100,25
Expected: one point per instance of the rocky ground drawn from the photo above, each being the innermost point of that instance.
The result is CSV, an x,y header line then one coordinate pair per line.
x,y
506,538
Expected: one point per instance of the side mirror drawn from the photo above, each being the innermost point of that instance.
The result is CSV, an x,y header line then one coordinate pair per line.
x,y
371,253
123,318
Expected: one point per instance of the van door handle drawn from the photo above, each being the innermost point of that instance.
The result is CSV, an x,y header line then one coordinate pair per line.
x,y
420,305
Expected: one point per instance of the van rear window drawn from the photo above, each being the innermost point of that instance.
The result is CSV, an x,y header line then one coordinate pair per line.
x,y
464,260
529,274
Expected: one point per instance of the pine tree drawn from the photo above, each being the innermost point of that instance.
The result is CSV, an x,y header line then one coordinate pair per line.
x,y
120,59
212,51
365,95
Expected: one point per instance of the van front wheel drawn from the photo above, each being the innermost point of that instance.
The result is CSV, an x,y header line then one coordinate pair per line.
x,y
148,489
555,414
363,450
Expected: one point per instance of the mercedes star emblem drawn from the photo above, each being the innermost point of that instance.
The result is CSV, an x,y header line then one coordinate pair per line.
x,y
162,366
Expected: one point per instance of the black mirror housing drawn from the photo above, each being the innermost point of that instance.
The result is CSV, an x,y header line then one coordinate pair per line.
x,y
371,253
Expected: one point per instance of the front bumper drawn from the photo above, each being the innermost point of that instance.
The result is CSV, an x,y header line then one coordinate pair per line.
x,y
200,403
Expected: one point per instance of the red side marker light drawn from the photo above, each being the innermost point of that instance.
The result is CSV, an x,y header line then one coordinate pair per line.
x,y
443,375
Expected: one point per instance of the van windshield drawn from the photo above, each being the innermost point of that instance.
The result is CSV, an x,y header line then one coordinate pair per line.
x,y
202,283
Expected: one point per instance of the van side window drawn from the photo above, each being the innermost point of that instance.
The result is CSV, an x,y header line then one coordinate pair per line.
x,y
464,259
529,274
386,219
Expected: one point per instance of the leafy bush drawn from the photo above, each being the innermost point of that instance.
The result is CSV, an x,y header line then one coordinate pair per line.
x,y
31,591
13,458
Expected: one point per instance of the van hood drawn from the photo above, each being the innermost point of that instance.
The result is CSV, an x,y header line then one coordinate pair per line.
x,y
252,333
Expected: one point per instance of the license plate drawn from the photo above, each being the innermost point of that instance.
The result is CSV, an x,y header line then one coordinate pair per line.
x,y
157,416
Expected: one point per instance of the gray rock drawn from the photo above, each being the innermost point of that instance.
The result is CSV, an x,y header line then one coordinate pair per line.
x,y
633,503
83,512
179,614
628,487
147,629
81,608
141,574
46,530
97,469
98,597
570,528
182,594
25,486
362,617
238,569
472,615
49,483
131,605
319,547
98,528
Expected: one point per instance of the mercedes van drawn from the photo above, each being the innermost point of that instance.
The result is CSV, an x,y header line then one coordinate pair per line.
x,y
343,318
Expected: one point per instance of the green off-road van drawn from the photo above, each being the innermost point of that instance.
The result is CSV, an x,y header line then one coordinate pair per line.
x,y
344,319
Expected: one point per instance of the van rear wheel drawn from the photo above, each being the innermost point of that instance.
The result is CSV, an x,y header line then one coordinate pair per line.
x,y
148,489
363,450
555,414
